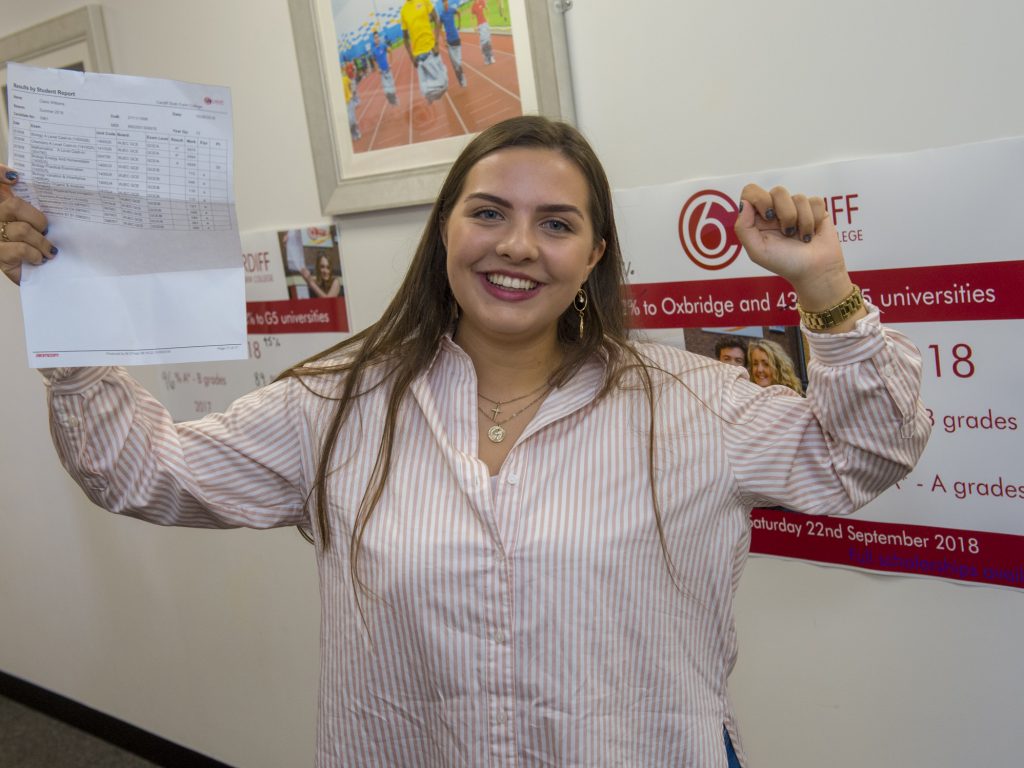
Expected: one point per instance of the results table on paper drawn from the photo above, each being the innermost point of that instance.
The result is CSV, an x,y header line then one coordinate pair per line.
x,y
123,177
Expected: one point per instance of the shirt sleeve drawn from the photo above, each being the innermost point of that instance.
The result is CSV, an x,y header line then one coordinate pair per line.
x,y
861,428
241,468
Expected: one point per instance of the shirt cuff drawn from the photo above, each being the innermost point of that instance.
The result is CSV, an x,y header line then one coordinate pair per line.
x,y
862,343
68,381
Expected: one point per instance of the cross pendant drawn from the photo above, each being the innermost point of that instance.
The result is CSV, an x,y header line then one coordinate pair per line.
x,y
495,411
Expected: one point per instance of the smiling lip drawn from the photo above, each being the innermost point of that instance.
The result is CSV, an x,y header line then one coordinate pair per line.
x,y
513,290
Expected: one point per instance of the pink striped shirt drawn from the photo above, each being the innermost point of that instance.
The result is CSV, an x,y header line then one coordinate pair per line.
x,y
534,624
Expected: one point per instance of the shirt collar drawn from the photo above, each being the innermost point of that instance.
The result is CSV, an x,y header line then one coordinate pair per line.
x,y
581,389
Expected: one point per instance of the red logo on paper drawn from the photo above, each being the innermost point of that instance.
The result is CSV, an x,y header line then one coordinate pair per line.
x,y
705,229
207,100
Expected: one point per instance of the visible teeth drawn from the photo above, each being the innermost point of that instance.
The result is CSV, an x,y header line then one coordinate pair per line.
x,y
511,283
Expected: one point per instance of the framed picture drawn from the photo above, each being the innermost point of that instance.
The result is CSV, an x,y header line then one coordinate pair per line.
x,y
394,89
76,40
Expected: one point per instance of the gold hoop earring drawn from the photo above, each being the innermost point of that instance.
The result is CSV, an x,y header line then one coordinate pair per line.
x,y
579,303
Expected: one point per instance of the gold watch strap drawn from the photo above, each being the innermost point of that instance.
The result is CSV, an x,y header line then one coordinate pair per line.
x,y
833,316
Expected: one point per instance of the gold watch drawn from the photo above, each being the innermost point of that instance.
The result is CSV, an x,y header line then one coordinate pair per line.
x,y
833,316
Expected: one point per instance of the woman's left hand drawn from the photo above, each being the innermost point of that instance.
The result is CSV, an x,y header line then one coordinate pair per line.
x,y
22,228
794,237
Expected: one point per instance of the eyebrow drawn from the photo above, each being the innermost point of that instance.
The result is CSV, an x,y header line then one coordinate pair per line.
x,y
546,208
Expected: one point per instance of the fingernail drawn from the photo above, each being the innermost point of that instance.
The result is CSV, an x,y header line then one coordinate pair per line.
x,y
53,250
11,175
790,231
741,206
45,231
769,214
807,238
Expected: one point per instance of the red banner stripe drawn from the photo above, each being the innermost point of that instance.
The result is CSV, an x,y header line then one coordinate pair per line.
x,y
951,553
297,316
983,291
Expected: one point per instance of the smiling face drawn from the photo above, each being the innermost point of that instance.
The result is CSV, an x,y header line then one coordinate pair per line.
x,y
761,371
520,243
323,269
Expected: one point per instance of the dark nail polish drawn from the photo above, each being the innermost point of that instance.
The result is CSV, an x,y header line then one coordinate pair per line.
x,y
769,214
53,250
741,206
790,231
807,238
45,231
11,175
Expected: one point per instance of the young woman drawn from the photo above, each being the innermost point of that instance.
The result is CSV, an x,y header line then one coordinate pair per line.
x,y
769,364
528,528
324,284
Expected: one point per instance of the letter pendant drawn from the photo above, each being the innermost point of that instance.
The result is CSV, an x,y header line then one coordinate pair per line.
x,y
496,434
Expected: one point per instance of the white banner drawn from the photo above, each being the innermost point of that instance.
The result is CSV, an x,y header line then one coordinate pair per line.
x,y
933,239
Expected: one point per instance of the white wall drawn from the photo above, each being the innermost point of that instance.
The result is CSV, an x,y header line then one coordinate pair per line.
x,y
210,638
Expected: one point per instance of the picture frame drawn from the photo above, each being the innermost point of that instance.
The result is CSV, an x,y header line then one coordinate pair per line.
x,y
74,40
411,175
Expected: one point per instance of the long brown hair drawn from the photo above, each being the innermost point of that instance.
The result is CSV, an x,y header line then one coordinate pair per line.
x,y
405,339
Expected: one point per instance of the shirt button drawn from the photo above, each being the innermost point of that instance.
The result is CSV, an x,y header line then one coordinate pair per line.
x,y
69,421
888,371
513,478
499,637
499,557
502,717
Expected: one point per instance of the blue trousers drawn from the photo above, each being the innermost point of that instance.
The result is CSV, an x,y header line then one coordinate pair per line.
x,y
734,761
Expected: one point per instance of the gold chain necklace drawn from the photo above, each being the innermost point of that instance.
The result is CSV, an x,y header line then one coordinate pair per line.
x,y
497,433
498,403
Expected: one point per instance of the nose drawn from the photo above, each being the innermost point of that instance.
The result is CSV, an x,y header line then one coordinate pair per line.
x,y
519,242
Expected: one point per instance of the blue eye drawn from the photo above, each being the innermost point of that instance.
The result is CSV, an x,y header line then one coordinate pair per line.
x,y
557,225
487,214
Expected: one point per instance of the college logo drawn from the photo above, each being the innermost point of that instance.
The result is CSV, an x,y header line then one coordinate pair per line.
x,y
207,100
705,229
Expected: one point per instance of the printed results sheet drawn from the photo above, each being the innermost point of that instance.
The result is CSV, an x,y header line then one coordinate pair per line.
x,y
135,177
